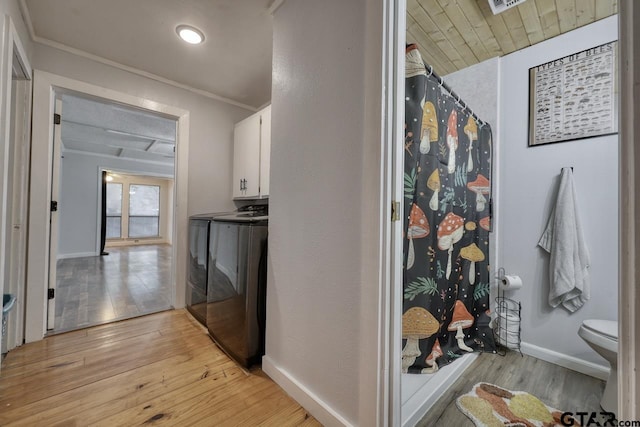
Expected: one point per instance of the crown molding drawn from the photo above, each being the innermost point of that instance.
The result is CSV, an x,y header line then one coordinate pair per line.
x,y
78,52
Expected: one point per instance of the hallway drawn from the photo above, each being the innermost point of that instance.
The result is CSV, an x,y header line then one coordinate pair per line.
x,y
129,282
157,369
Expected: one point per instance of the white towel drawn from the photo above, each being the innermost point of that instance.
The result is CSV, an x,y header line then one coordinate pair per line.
x,y
569,256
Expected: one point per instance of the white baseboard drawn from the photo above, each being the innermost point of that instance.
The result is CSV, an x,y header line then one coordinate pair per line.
x,y
76,255
566,361
415,407
318,408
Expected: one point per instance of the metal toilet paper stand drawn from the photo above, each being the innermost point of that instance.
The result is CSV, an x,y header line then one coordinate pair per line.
x,y
507,323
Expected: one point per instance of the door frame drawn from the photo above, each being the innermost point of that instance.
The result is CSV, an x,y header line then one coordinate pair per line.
x,y
45,87
396,48
629,232
12,50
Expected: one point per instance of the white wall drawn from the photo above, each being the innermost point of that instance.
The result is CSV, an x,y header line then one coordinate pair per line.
x,y
211,122
529,180
78,204
322,309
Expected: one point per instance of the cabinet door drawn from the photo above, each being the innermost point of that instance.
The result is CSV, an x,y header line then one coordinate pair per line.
x,y
246,158
265,151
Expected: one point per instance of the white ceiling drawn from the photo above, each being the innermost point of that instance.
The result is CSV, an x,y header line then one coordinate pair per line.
x,y
234,62
95,127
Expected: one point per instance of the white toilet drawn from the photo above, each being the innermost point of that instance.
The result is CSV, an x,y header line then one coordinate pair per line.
x,y
602,336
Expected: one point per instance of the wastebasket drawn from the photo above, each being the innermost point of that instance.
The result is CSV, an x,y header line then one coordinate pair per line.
x,y
8,301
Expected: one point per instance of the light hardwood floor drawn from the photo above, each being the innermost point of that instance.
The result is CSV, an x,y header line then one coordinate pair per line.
x,y
160,369
556,386
130,281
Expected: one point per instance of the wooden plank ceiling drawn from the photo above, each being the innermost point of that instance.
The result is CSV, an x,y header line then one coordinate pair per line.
x,y
454,34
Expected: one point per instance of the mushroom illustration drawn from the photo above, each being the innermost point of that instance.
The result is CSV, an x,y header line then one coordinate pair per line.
x,y
436,351
452,140
429,129
462,319
471,129
474,254
450,232
481,187
418,228
433,183
417,324
485,223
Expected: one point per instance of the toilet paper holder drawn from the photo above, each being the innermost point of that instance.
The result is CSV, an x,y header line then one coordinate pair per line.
x,y
508,315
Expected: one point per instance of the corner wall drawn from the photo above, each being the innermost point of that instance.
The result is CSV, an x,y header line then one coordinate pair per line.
x,y
528,186
322,309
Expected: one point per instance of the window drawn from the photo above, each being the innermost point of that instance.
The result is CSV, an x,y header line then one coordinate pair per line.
x,y
114,211
144,210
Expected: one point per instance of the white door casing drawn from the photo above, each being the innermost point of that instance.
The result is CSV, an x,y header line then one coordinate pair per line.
x,y
629,232
13,57
45,87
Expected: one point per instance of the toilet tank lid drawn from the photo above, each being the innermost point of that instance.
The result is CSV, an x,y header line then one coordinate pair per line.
x,y
608,328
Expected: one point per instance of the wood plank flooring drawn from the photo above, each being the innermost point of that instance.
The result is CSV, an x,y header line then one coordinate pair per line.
x,y
558,387
130,281
160,369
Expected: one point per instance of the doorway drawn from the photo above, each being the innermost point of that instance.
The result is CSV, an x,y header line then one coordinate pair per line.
x,y
46,88
14,180
111,231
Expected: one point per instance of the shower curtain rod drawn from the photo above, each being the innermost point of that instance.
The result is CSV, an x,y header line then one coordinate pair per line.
x,y
454,95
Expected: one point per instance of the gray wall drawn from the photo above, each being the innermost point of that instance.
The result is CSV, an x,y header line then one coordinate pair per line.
x,y
78,204
324,243
529,180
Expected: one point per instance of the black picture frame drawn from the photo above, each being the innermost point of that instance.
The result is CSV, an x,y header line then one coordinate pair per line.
x,y
574,97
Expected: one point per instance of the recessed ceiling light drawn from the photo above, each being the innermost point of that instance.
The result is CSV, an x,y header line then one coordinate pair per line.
x,y
190,34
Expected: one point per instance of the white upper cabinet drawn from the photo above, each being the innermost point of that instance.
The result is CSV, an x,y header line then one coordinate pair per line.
x,y
251,152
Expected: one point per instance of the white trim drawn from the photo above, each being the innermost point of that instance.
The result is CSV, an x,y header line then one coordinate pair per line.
x,y
100,59
417,406
46,86
11,47
394,40
318,408
77,255
629,233
566,361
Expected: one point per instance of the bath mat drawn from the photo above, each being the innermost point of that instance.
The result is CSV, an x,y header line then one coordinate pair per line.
x,y
488,405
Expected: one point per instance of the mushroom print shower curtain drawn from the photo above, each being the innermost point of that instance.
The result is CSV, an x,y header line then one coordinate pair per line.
x,y
447,173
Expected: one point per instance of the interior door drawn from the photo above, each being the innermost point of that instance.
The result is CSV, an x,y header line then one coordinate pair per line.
x,y
54,215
